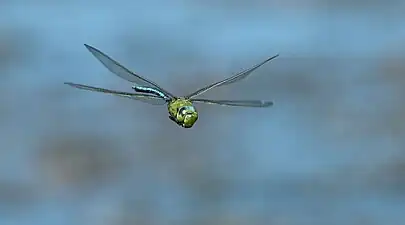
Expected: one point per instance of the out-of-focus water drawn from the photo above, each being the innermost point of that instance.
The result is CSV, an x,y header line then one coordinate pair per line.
x,y
330,151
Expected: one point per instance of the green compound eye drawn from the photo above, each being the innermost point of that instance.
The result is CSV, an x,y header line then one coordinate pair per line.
x,y
190,119
187,116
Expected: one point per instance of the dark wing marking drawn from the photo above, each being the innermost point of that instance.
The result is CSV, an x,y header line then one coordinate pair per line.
x,y
244,103
150,99
123,72
239,76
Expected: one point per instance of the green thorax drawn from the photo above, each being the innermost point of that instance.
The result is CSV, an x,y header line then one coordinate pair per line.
x,y
182,112
176,104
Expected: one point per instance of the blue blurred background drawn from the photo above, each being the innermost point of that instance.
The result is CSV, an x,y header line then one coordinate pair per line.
x,y
330,151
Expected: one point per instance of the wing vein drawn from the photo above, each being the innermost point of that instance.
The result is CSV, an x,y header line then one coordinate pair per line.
x,y
237,77
147,98
243,103
121,71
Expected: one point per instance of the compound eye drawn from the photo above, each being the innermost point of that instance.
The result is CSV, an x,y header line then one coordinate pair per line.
x,y
185,110
182,110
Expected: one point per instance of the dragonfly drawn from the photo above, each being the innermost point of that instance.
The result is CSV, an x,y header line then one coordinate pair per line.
x,y
181,109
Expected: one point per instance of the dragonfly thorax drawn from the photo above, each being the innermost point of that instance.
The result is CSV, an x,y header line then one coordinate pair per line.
x,y
182,112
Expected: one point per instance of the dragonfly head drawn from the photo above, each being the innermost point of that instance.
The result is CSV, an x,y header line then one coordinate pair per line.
x,y
187,116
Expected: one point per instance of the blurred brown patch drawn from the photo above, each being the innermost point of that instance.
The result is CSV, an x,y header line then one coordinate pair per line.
x,y
390,176
15,196
15,46
80,160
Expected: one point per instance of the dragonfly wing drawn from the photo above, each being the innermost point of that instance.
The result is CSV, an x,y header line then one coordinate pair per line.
x,y
237,77
243,103
123,72
150,99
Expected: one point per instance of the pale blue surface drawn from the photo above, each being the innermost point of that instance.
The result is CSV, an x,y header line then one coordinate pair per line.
x,y
308,160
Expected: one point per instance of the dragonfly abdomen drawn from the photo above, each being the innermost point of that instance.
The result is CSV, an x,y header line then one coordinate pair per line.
x,y
150,90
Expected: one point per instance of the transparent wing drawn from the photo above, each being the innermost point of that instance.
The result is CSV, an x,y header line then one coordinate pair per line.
x,y
237,77
150,99
123,72
244,103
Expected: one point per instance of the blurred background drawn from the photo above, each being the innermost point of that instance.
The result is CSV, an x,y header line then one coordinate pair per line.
x,y
330,151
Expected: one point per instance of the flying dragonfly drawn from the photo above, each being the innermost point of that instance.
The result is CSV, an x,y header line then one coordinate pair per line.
x,y
181,109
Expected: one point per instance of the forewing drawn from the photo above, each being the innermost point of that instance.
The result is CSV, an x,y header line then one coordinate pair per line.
x,y
243,103
150,99
237,77
123,72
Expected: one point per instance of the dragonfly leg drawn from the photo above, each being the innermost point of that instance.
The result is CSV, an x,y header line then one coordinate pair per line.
x,y
174,120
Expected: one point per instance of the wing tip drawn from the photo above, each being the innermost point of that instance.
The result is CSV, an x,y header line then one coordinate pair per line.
x,y
72,84
275,56
91,48
267,103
